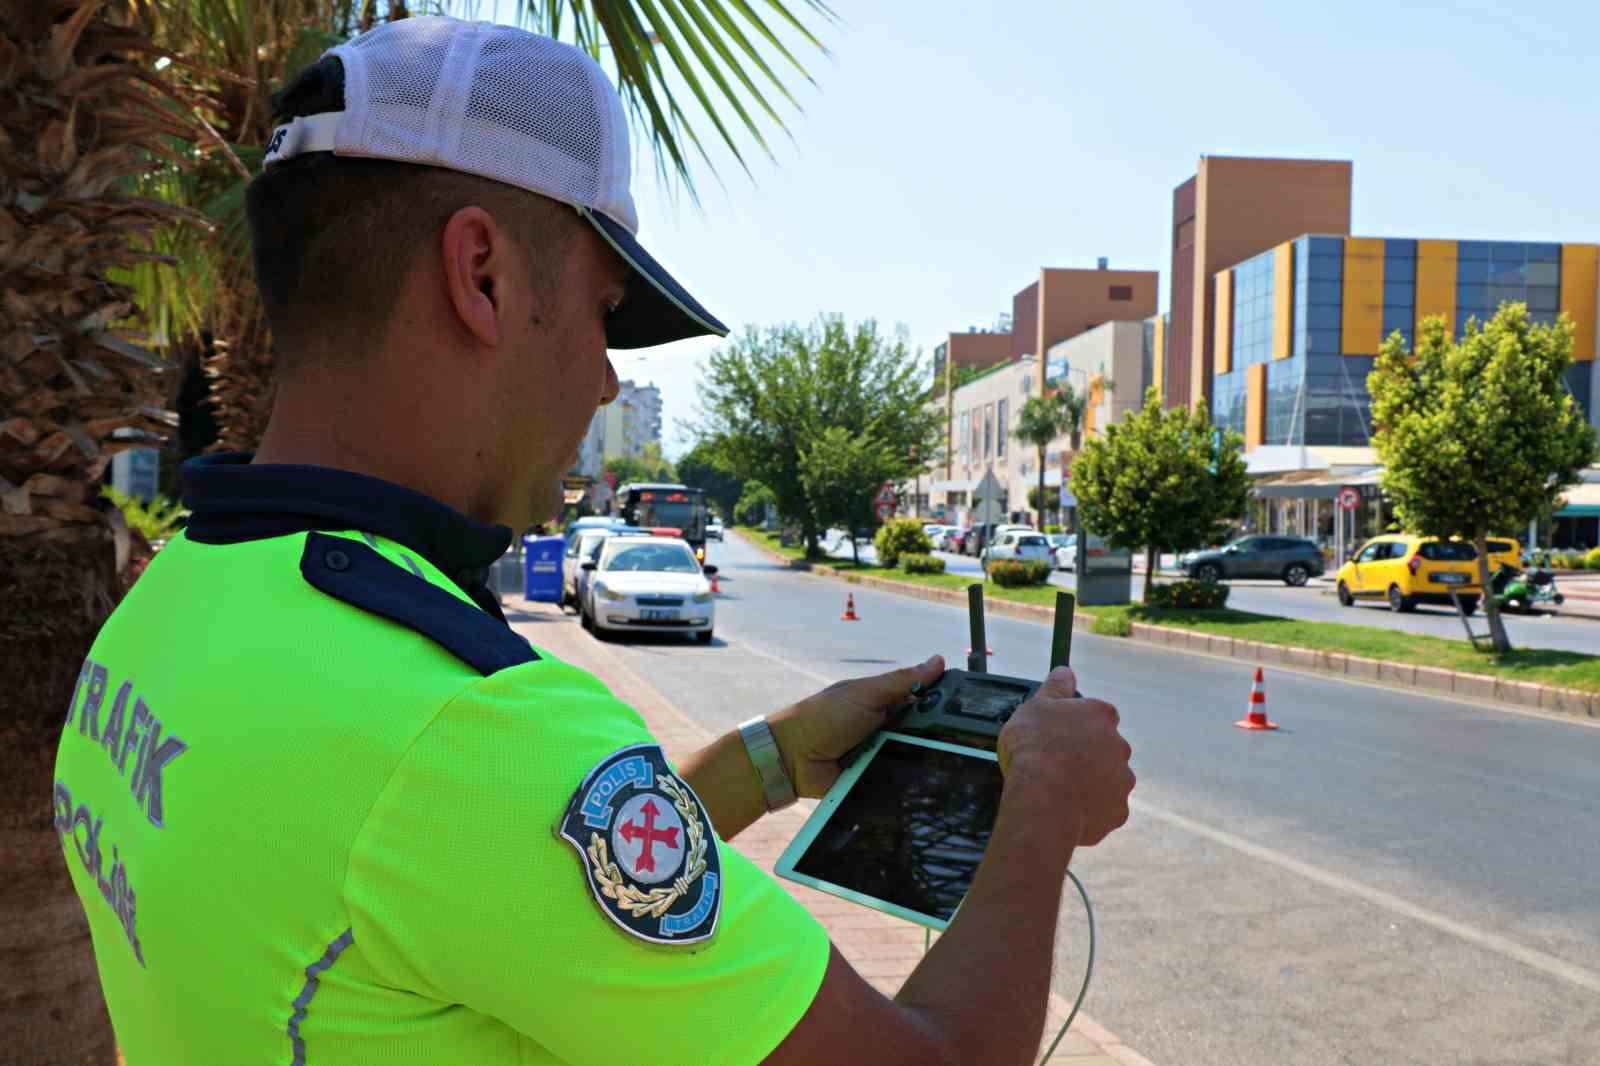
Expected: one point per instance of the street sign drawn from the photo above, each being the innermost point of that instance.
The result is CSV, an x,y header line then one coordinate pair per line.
x,y
986,498
886,493
885,511
1349,498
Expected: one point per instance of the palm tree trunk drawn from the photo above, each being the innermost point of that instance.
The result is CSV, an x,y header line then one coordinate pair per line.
x,y
57,595
1151,554
1041,487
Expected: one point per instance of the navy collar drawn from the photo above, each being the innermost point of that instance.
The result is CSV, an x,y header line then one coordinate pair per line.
x,y
233,500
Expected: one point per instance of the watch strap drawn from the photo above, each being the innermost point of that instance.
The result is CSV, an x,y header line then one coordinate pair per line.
x,y
762,747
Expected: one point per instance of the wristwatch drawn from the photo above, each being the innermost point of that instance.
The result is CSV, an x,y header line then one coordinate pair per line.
x,y
763,749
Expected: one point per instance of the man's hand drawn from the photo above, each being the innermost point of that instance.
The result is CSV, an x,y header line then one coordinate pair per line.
x,y
813,733
1071,747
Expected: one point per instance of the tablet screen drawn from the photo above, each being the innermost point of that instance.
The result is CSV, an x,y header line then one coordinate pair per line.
x,y
911,830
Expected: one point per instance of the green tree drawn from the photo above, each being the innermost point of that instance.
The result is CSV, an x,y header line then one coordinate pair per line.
x,y
1478,436
753,502
768,396
841,474
1042,419
1052,500
698,468
651,466
1161,479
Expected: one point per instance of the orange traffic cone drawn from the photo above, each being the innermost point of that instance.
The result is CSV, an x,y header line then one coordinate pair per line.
x,y
849,609
714,589
1257,718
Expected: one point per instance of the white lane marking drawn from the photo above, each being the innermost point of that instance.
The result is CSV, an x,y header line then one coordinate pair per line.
x,y
1533,958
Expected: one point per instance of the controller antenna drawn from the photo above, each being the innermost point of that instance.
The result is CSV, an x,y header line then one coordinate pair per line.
x,y
1061,638
978,653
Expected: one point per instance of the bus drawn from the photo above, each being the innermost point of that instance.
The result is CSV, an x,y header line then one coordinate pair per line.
x,y
652,504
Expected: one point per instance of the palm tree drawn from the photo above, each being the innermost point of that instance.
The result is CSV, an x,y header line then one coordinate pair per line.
x,y
84,115
1045,417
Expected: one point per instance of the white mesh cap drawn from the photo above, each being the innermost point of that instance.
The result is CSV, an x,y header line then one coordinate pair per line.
x,y
506,104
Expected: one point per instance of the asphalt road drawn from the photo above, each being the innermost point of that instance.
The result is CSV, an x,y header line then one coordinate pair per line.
x,y
1390,878
1317,603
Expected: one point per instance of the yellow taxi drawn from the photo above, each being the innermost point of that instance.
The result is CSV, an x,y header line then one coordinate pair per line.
x,y
1405,570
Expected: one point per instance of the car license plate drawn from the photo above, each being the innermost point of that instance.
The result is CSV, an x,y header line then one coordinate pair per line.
x,y
657,615
1451,579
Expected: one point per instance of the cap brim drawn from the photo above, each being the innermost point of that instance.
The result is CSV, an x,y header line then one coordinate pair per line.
x,y
656,309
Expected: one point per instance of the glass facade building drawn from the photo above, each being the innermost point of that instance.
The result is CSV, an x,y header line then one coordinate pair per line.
x,y
1298,327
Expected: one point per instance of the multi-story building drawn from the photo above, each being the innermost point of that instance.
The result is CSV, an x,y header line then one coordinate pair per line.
x,y
1297,328
1296,331
1230,210
1060,304
983,427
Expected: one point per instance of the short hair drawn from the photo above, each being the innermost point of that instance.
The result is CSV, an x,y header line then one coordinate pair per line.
x,y
334,237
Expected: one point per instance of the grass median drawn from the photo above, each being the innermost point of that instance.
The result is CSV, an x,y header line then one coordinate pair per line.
x,y
1565,669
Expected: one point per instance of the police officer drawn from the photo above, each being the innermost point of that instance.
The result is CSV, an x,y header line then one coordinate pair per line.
x,y
323,806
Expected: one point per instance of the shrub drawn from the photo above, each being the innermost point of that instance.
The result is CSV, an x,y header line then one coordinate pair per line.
x,y
156,520
1592,560
1011,573
1112,625
1052,528
922,564
900,536
1189,595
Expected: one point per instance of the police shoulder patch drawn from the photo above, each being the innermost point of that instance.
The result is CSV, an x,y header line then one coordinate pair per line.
x,y
647,848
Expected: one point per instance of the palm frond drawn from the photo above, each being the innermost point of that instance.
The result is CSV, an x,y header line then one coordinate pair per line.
x,y
715,49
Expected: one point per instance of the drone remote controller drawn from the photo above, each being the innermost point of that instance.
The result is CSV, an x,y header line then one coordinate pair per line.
x,y
971,706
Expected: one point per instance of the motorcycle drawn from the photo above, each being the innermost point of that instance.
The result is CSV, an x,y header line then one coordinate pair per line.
x,y
1524,591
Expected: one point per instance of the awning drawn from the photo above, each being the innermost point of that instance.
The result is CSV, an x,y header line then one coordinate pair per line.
x,y
953,485
1316,484
1581,501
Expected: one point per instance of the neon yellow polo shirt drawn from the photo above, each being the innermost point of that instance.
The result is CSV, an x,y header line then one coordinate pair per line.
x,y
322,805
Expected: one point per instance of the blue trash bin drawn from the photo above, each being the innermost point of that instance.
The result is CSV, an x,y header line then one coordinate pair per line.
x,y
541,568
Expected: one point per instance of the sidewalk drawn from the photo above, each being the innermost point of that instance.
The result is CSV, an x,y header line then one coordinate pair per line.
x,y
883,949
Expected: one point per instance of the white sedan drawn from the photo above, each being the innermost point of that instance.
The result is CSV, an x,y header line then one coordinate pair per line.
x,y
653,583
1020,545
1065,548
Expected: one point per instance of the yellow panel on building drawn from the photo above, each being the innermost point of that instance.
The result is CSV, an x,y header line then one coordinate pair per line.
x,y
1436,283
1362,320
1283,300
1222,344
1255,407
1158,358
1580,272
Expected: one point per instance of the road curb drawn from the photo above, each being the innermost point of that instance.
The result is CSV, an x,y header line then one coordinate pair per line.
x,y
1483,688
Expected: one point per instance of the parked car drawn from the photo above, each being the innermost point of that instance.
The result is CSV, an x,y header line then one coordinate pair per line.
x,y
1293,560
1023,545
1064,546
714,529
1406,570
979,537
583,545
952,539
648,583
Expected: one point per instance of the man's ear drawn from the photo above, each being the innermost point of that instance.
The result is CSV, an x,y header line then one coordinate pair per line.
x,y
473,257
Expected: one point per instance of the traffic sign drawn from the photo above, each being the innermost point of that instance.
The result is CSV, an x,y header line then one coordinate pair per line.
x,y
886,493
1349,498
885,511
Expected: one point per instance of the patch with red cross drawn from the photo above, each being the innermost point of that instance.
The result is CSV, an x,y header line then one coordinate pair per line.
x,y
647,847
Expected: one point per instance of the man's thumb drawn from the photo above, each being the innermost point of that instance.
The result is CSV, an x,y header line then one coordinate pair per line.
x,y
1062,683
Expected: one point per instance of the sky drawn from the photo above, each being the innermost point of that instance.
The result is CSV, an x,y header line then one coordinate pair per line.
x,y
949,149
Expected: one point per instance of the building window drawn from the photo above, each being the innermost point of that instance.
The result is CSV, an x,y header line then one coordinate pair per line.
x,y
1122,292
962,435
988,430
977,433
1000,429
